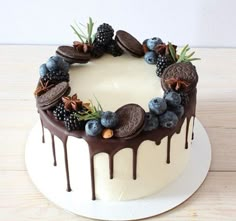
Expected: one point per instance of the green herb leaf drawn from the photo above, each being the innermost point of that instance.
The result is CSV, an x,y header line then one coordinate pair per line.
x,y
77,33
84,38
172,51
80,29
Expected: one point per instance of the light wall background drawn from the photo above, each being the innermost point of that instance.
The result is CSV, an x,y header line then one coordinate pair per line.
x,y
201,23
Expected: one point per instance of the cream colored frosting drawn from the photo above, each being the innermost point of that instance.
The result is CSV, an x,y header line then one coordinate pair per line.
x,y
115,82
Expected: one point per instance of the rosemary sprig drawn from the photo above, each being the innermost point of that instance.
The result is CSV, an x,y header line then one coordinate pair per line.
x,y
78,29
172,51
92,113
183,57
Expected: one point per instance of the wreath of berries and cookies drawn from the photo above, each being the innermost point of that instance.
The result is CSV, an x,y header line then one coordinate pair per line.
x,y
177,74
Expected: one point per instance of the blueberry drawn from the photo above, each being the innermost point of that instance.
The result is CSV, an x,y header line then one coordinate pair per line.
x,y
65,67
56,58
178,110
153,42
150,57
51,65
93,128
43,70
59,61
145,41
172,98
151,122
157,105
61,64
168,120
109,119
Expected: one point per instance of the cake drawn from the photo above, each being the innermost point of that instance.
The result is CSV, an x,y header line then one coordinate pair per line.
x,y
126,130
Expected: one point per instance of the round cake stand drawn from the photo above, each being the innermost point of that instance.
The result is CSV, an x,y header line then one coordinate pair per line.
x,y
39,164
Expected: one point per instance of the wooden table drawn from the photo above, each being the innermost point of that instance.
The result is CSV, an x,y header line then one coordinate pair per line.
x,y
216,109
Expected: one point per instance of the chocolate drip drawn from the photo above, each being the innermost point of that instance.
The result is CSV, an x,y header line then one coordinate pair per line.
x,y
186,135
112,146
168,149
92,177
111,165
53,150
135,150
43,137
193,127
187,131
67,167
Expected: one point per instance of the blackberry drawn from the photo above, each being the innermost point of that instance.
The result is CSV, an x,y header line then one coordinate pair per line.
x,y
59,112
72,123
114,49
55,77
98,50
163,62
104,34
184,98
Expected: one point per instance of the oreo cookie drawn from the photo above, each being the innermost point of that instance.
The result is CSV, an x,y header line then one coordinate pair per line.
x,y
180,77
51,98
71,55
131,121
129,43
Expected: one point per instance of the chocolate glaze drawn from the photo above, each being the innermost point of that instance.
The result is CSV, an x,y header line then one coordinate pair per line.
x,y
53,150
112,146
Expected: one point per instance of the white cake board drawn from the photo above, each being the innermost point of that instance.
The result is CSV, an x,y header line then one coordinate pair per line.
x,y
39,163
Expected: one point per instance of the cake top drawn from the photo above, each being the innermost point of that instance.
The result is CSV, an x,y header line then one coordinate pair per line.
x,y
178,79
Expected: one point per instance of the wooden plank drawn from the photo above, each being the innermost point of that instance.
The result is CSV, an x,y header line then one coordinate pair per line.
x,y
215,200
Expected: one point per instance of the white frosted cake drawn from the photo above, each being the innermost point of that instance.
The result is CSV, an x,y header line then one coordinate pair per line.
x,y
138,138
115,85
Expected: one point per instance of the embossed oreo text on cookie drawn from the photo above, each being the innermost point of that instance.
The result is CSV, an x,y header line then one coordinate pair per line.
x,y
52,96
180,77
131,119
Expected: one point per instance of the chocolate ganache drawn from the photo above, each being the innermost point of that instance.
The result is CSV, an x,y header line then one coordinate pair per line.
x,y
112,146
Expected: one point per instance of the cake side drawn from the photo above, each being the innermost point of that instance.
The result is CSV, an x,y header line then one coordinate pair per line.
x,y
170,148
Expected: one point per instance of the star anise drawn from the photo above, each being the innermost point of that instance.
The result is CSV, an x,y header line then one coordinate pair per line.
x,y
73,103
176,83
81,47
164,49
42,88
161,49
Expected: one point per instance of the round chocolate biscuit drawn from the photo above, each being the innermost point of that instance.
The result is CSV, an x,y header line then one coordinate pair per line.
x,y
180,77
129,43
52,96
70,55
131,120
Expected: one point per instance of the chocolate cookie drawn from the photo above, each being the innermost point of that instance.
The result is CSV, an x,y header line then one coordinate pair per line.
x,y
129,43
180,77
50,98
131,121
70,55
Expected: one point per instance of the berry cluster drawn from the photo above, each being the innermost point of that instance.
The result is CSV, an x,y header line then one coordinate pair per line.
x,y
96,44
107,121
54,71
68,116
164,112
99,122
163,55
104,42
93,120
157,52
